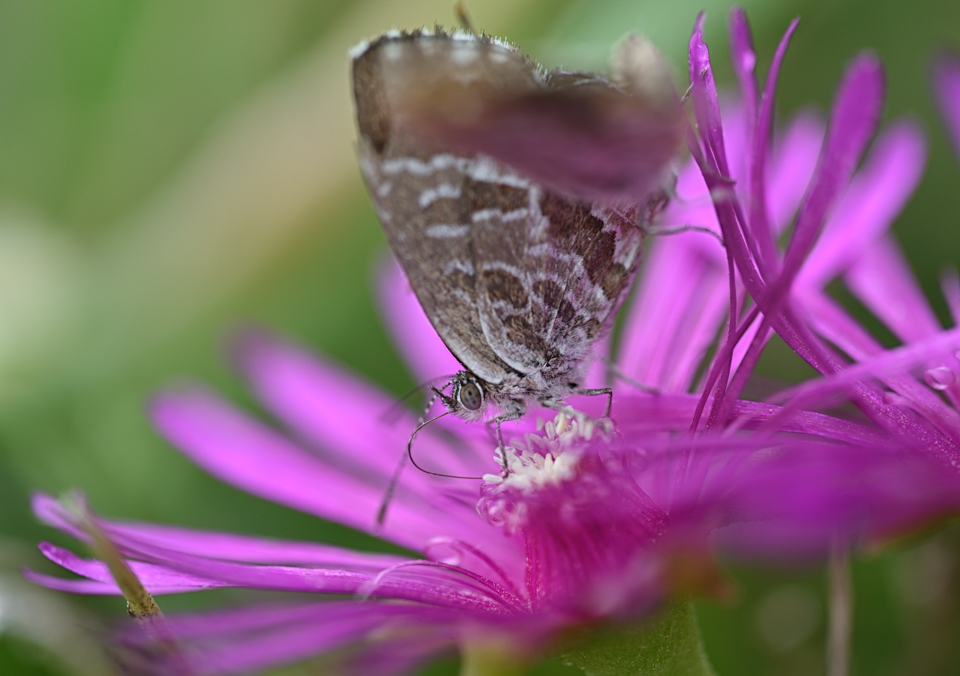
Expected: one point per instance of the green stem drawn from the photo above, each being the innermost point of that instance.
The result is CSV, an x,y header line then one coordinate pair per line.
x,y
669,645
841,613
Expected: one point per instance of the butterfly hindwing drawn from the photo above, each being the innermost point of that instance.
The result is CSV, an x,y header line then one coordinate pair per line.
x,y
551,277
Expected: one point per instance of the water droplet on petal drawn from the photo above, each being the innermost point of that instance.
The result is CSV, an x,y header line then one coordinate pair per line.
x,y
940,378
891,398
444,552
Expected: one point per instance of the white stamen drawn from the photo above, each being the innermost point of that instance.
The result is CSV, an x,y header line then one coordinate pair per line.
x,y
546,459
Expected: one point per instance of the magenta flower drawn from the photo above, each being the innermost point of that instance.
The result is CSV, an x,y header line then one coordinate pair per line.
x,y
842,223
919,392
587,527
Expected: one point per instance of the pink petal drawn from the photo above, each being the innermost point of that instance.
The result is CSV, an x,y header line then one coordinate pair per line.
x,y
759,220
705,101
171,571
217,545
421,347
946,77
84,586
854,118
262,637
157,579
890,364
791,167
260,461
883,281
652,414
744,59
950,286
337,411
873,199
798,503
682,292
836,325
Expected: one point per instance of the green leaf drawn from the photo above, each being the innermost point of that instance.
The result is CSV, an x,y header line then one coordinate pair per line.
x,y
669,645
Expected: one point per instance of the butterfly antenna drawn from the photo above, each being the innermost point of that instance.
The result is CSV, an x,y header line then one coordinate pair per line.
x,y
408,457
414,462
678,229
391,414
460,9
620,375
391,487
395,478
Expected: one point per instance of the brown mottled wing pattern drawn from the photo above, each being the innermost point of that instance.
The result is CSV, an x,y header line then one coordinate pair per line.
x,y
552,291
423,192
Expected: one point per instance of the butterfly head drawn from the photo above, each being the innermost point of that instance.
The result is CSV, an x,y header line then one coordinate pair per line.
x,y
468,397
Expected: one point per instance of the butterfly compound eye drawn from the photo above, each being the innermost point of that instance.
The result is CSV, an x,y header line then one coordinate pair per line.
x,y
470,396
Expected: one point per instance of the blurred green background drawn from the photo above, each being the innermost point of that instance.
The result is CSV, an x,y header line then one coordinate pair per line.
x,y
171,168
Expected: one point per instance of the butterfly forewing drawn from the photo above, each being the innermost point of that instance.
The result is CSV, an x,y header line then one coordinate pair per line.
x,y
516,200
425,193
573,133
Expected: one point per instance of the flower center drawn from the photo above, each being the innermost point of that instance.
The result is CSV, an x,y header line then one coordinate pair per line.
x,y
545,459
538,464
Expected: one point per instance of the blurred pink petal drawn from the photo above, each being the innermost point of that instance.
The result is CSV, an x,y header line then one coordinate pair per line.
x,y
426,355
946,80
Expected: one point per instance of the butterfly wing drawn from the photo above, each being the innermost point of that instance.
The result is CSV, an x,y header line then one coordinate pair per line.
x,y
575,134
424,193
483,168
548,290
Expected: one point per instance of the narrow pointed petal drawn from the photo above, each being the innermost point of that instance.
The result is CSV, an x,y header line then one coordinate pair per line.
x,y
706,103
419,343
217,545
744,60
793,161
758,207
263,637
853,120
157,579
334,409
425,583
250,456
882,280
86,587
874,198
946,79
832,322
681,293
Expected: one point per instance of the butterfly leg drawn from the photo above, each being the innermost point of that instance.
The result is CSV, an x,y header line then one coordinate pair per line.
x,y
597,391
502,450
513,413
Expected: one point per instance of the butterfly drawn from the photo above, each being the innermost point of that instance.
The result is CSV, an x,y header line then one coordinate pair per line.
x,y
515,199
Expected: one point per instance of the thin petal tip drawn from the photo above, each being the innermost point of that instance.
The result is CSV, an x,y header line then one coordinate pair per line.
x,y
245,343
